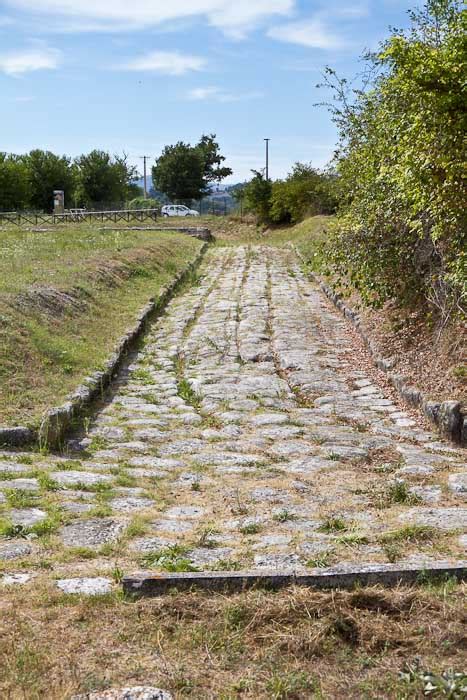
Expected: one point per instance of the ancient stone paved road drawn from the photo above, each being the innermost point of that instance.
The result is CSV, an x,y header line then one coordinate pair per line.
x,y
244,435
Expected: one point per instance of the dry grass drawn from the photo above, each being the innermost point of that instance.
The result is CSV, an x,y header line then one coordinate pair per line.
x,y
233,231
288,645
55,288
431,357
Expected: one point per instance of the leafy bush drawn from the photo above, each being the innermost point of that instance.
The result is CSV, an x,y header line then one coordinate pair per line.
x,y
305,192
141,203
402,232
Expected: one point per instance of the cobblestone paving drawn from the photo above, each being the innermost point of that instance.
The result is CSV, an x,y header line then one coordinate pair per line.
x,y
244,435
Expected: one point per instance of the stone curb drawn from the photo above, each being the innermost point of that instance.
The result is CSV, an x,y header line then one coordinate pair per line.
x,y
144,584
204,234
58,421
450,417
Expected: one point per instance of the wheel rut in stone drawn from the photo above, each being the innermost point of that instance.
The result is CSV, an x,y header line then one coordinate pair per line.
x,y
245,434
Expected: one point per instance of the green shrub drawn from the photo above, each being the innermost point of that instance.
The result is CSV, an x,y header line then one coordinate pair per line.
x,y
402,232
305,192
142,203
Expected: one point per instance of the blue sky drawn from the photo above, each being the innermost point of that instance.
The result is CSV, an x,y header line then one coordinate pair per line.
x,y
134,75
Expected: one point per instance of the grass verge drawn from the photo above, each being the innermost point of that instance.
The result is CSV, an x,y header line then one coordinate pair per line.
x,y
66,297
367,643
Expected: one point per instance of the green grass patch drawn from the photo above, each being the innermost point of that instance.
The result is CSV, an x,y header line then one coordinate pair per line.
x,y
352,539
188,394
55,289
284,516
333,523
45,481
320,561
18,498
142,375
250,529
411,533
170,559
398,492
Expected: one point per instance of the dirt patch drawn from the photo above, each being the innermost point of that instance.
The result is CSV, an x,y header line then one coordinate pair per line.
x,y
50,301
433,360
108,273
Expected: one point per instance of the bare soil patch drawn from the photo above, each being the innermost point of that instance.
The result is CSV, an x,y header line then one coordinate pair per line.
x,y
432,359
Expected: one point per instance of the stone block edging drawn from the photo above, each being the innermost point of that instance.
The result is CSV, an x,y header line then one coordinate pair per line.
x,y
450,417
202,233
58,421
147,584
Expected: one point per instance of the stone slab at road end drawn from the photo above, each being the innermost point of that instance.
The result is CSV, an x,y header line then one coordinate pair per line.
x,y
245,435
387,575
135,693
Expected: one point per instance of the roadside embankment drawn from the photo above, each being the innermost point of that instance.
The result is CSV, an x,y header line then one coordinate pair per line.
x,y
66,299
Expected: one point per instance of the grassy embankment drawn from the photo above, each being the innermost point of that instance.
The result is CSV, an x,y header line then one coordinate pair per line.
x,y
304,235
66,297
292,645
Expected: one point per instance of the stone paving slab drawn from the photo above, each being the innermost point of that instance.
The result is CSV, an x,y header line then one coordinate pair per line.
x,y
245,433
85,586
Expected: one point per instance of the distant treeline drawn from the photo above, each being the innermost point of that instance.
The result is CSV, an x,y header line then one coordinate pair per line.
x,y
28,181
182,173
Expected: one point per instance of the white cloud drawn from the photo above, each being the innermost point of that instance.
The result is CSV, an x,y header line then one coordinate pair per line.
x,y
235,17
203,93
40,57
238,17
166,62
218,95
357,10
312,33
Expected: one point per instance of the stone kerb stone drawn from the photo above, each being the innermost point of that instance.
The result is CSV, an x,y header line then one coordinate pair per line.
x,y
449,416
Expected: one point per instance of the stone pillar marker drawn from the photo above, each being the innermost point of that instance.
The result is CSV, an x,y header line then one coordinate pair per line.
x,y
59,201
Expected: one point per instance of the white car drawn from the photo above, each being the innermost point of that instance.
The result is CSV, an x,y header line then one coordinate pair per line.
x,y
178,210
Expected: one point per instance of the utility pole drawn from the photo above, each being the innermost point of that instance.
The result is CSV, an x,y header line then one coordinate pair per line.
x,y
145,159
267,158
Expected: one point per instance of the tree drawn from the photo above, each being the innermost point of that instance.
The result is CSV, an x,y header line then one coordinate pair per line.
x,y
179,173
184,172
258,197
237,192
48,172
213,169
14,184
134,191
101,178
